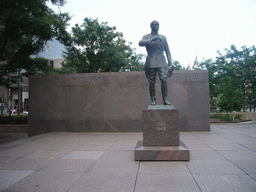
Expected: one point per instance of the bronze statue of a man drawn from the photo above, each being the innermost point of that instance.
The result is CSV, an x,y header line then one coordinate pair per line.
x,y
156,45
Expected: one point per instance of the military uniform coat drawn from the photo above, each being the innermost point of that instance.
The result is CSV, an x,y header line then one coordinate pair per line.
x,y
155,50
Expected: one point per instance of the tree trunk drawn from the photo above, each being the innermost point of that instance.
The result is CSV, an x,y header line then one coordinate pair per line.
x,y
243,88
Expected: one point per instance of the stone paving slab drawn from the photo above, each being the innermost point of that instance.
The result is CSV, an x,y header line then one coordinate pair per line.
x,y
43,181
158,182
227,183
221,160
213,167
107,182
164,168
8,177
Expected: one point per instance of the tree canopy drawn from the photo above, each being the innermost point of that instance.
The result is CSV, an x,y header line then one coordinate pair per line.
x,y
232,78
177,65
25,26
99,48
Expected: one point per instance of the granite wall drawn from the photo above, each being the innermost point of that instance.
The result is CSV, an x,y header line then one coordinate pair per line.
x,y
112,101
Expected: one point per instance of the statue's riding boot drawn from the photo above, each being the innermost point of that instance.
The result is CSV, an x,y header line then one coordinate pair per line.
x,y
152,93
165,93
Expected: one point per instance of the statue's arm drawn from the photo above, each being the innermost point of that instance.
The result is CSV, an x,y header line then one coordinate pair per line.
x,y
146,41
168,54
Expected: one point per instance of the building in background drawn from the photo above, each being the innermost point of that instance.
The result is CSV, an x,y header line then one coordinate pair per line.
x,y
9,96
53,51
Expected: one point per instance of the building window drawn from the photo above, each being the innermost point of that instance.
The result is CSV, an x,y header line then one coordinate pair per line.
x,y
51,63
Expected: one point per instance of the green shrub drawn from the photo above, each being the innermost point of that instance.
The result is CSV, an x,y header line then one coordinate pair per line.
x,y
5,120
22,119
226,117
238,117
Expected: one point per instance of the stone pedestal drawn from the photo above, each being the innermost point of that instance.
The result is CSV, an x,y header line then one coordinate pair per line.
x,y
161,139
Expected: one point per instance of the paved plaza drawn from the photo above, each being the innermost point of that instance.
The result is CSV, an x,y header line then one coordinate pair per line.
x,y
221,160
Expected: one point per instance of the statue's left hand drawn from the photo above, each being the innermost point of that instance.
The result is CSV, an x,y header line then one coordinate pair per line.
x,y
160,38
156,38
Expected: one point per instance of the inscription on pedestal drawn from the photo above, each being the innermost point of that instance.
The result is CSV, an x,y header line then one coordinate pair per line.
x,y
161,126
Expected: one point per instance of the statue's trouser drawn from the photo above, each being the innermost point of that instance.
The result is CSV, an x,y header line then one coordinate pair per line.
x,y
151,76
164,90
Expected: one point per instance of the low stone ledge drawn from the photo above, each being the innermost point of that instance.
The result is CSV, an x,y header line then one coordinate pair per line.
x,y
161,153
16,128
220,121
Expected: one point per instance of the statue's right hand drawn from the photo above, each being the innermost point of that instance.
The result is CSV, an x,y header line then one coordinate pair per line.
x,y
156,37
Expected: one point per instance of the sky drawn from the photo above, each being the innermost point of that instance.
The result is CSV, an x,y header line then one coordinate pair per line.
x,y
192,27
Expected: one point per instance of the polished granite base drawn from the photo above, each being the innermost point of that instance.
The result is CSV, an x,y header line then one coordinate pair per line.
x,y
161,141
161,153
161,126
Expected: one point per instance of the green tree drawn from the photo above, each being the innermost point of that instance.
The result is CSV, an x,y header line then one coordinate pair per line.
x,y
214,88
99,48
25,26
240,66
177,65
231,97
251,93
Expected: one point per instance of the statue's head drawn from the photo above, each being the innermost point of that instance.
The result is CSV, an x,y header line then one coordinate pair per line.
x,y
154,25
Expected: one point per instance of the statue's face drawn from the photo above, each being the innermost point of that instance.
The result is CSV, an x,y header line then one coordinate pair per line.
x,y
155,26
